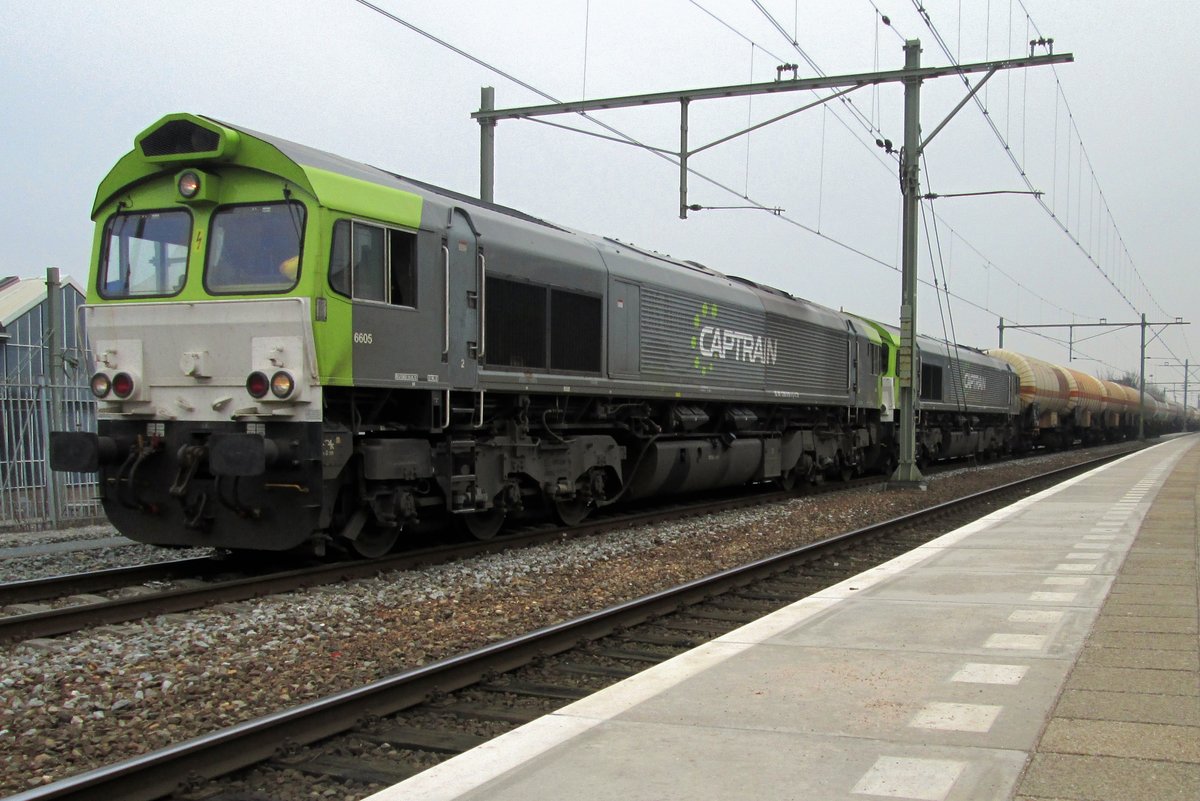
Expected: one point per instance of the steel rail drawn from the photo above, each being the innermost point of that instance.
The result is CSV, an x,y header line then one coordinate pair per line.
x,y
15,592
153,775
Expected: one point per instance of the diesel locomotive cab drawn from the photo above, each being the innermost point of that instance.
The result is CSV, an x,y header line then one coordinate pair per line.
x,y
204,362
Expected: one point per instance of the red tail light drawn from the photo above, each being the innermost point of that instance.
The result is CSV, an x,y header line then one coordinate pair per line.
x,y
258,385
122,385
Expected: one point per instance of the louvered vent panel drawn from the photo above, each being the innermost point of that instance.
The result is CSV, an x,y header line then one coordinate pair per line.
x,y
575,324
516,326
975,386
688,340
812,360
180,136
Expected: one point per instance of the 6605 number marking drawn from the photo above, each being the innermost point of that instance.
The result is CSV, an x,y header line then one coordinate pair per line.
x,y
363,338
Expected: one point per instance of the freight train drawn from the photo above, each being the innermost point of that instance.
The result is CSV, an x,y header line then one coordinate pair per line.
x,y
295,351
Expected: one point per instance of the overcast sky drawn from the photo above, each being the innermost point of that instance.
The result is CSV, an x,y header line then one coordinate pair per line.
x,y
82,79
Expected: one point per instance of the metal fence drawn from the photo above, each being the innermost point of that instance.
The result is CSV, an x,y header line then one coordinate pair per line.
x,y
31,495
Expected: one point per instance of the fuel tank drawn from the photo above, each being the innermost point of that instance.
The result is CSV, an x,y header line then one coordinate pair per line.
x,y
679,466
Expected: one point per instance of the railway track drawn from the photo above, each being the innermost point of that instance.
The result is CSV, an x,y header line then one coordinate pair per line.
x,y
503,684
148,603
40,589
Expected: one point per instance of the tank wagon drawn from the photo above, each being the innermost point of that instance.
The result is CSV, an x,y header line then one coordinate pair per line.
x,y
295,351
1049,395
1091,400
1060,406
1121,409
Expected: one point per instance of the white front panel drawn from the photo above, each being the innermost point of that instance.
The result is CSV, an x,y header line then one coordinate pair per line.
x,y
193,359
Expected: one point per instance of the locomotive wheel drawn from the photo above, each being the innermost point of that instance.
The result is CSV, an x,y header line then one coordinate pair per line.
x,y
483,525
375,541
571,512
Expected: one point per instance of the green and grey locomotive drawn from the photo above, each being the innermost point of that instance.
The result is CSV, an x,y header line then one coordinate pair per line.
x,y
293,351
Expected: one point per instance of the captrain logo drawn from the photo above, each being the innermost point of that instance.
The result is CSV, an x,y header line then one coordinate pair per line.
x,y
705,311
713,342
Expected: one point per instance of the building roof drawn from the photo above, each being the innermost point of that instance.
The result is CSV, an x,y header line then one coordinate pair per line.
x,y
19,295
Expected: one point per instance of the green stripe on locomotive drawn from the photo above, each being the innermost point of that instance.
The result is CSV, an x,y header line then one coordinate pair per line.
x,y
889,340
249,168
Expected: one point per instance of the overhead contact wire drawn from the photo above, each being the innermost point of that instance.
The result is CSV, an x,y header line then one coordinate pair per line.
x,y
924,14
667,156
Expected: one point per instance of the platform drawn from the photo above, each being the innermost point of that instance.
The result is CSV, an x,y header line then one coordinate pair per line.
x,y
1046,651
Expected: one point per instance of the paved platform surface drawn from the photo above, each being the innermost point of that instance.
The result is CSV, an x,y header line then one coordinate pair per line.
x,y
1047,651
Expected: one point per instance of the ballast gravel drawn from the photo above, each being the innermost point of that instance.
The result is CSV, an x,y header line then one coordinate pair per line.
x,y
41,554
93,697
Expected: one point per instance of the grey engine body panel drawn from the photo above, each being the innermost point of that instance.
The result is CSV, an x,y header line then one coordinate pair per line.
x,y
658,337
970,379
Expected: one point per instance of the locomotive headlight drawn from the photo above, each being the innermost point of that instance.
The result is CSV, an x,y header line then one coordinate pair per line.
x,y
189,184
197,187
257,384
282,384
101,386
122,385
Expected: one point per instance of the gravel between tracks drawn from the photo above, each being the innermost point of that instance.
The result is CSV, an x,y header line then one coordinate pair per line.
x,y
26,555
89,698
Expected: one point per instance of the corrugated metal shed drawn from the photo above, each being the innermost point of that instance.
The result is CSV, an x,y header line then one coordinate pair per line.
x,y
19,295
30,494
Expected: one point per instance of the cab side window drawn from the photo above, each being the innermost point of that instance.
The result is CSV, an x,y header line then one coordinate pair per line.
x,y
373,262
368,263
875,357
